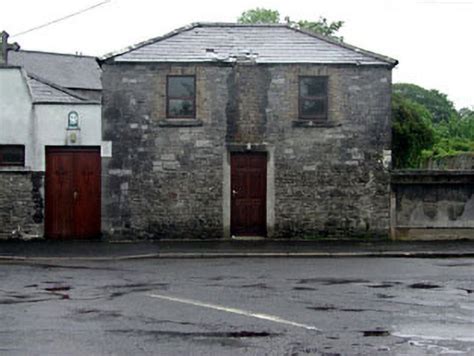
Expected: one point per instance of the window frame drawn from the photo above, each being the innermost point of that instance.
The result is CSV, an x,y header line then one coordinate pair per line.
x,y
325,98
12,164
168,97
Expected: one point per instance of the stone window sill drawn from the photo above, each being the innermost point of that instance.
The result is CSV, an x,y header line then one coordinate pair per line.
x,y
314,123
180,122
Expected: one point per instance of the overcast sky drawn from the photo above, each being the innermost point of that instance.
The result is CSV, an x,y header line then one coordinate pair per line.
x,y
432,39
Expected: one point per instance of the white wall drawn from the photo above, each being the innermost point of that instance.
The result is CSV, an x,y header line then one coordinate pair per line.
x,y
16,112
51,127
39,125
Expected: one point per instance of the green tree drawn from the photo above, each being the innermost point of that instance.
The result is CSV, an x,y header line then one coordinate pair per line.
x,y
322,26
259,15
411,132
262,15
437,103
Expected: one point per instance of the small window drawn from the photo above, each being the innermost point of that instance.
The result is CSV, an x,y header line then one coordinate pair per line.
x,y
12,155
181,97
313,98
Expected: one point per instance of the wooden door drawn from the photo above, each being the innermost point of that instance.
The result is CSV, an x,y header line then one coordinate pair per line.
x,y
248,194
72,192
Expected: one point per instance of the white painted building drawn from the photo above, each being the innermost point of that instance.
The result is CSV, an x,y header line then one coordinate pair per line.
x,y
50,146
34,113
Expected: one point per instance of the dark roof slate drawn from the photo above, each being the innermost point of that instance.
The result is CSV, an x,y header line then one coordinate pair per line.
x,y
211,42
66,70
44,92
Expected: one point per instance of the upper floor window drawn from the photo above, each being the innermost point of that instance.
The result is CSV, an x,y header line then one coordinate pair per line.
x,y
313,98
12,155
181,96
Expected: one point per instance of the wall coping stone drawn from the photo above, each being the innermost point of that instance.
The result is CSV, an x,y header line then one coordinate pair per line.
x,y
432,177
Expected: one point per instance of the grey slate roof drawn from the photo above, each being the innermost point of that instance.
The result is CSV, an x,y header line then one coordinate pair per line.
x,y
67,70
214,42
44,92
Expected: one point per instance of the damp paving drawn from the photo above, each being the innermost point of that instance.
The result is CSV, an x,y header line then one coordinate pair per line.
x,y
458,264
381,285
87,314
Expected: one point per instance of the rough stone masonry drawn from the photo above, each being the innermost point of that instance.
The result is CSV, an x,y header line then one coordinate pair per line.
x,y
167,178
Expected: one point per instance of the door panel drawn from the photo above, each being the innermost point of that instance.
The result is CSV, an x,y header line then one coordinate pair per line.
x,y
248,194
72,192
87,194
59,184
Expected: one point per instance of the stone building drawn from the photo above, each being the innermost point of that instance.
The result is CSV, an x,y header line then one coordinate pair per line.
x,y
223,130
50,139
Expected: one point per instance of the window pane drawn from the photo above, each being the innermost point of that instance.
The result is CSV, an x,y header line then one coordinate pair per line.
x,y
180,108
313,108
12,155
180,87
313,86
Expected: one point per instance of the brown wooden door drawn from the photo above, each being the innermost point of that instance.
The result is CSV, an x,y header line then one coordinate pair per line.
x,y
72,192
248,194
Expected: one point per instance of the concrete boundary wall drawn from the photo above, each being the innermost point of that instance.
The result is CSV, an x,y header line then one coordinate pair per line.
x,y
428,205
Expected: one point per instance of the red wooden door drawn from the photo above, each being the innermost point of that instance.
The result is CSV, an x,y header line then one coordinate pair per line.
x,y
248,194
72,192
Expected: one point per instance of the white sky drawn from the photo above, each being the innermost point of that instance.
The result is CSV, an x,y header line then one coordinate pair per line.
x,y
432,39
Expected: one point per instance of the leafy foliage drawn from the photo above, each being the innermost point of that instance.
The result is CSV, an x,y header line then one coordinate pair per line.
x,y
452,132
452,137
437,103
411,132
322,26
261,16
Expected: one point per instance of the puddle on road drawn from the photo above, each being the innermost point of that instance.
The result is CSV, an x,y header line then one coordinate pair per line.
x,y
119,290
257,286
422,285
199,334
334,308
384,296
304,288
57,288
375,333
332,281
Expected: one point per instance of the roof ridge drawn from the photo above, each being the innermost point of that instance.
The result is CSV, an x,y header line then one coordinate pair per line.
x,y
391,61
237,24
60,88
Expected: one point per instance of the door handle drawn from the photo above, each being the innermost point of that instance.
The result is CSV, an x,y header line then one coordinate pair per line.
x,y
75,195
234,192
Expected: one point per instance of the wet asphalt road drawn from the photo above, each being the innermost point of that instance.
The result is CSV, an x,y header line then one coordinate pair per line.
x,y
252,306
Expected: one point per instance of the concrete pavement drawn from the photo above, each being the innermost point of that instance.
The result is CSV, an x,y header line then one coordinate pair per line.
x,y
106,250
